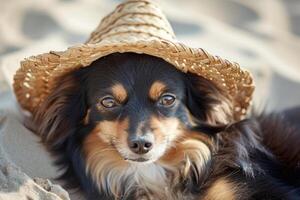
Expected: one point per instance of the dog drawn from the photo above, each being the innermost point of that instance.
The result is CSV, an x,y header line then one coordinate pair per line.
x,y
132,126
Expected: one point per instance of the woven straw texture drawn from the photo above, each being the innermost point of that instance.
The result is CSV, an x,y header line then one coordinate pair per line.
x,y
134,26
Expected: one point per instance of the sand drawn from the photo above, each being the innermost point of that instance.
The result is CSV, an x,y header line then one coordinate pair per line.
x,y
15,184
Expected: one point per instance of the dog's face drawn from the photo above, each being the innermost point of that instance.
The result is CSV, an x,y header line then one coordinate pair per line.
x,y
137,106
127,110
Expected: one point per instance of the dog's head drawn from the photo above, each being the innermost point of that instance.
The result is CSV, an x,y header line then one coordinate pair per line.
x,y
130,108
139,104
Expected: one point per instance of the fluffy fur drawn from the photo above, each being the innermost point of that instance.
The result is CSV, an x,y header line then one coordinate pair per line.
x,y
198,151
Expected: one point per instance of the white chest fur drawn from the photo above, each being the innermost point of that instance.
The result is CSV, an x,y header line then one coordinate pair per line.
x,y
148,177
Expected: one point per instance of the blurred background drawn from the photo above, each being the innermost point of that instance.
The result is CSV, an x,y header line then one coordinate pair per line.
x,y
263,36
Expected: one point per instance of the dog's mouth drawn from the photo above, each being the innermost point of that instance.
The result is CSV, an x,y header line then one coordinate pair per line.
x,y
141,159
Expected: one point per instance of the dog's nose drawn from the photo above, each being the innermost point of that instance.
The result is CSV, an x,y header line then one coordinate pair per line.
x,y
140,146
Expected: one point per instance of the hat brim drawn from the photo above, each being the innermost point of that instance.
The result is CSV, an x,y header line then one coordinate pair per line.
x,y
38,75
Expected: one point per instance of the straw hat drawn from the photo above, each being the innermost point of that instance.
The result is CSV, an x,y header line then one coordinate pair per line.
x,y
134,26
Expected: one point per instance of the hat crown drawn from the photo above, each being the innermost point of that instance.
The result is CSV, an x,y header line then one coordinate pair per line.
x,y
137,26
131,20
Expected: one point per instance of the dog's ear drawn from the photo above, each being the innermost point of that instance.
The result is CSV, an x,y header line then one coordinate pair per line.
x,y
62,111
206,102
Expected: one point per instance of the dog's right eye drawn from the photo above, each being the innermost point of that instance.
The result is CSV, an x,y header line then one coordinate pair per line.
x,y
167,100
108,102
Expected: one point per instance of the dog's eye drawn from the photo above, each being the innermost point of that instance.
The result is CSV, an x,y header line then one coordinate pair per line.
x,y
108,102
167,100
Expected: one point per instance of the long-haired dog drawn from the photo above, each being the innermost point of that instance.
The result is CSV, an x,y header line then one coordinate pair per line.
x,y
131,126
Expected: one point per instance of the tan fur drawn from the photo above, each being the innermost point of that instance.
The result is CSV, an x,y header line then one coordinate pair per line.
x,y
156,90
165,129
191,148
119,92
113,131
222,189
103,162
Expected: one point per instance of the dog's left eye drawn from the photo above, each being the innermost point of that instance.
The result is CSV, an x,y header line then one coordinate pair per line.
x,y
167,100
108,102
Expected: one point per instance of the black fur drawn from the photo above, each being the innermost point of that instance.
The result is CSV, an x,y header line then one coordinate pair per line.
x,y
262,154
